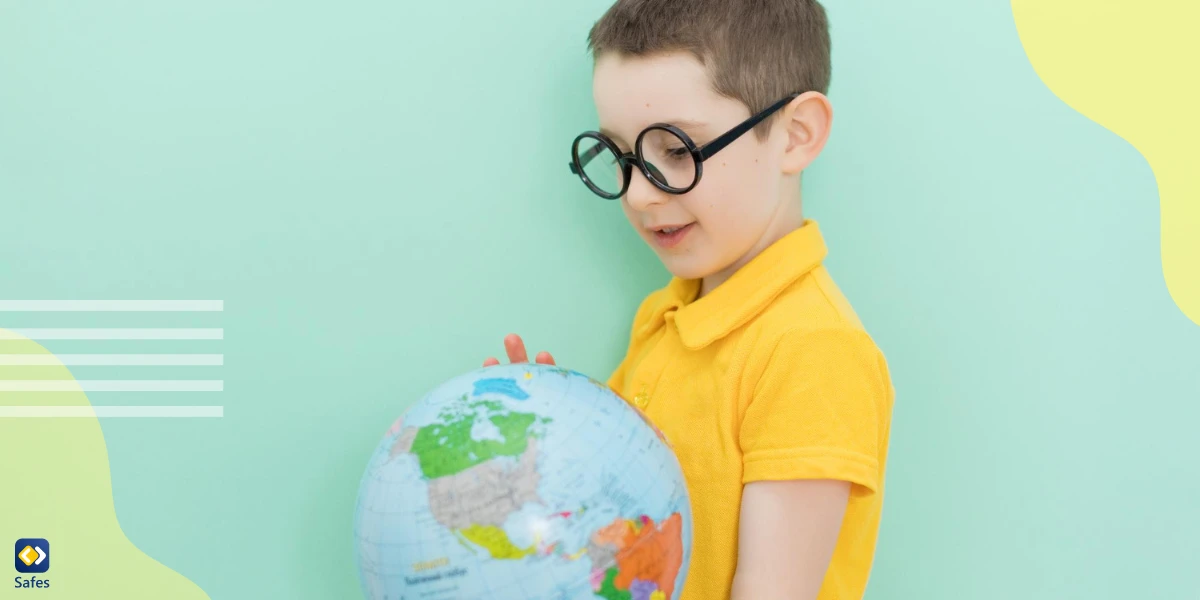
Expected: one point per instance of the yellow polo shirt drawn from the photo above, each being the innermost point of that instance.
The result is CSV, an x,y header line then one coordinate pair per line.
x,y
770,376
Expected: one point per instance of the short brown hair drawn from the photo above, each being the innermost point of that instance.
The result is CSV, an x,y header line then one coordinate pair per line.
x,y
756,51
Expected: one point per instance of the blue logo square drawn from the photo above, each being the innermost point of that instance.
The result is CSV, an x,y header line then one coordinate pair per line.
x,y
32,555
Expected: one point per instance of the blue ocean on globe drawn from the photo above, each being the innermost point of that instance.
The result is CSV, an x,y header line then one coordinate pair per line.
x,y
523,481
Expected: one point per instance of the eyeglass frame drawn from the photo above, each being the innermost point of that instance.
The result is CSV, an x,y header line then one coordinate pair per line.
x,y
699,154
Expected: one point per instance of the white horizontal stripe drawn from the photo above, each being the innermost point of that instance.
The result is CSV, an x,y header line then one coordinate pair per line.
x,y
110,385
111,411
184,360
113,334
112,305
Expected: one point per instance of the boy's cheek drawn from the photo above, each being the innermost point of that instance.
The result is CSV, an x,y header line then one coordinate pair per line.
x,y
719,204
632,218
733,222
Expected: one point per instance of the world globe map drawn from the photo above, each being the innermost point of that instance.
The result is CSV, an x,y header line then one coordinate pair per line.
x,y
522,481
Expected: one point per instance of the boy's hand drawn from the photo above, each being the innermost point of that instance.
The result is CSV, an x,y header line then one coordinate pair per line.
x,y
515,348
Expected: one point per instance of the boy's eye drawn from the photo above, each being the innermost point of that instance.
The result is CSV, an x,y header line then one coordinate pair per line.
x,y
676,153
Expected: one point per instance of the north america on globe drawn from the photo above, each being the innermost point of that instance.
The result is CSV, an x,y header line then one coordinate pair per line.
x,y
530,482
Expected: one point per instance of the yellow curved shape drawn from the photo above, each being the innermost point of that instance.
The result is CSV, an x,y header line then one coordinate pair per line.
x,y
1131,67
57,487
496,541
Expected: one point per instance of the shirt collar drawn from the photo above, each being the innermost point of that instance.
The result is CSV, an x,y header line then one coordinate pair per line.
x,y
745,294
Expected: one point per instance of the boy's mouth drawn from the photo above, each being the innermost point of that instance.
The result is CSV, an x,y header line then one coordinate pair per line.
x,y
670,235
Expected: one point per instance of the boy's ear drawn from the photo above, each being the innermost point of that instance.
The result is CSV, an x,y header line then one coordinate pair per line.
x,y
806,121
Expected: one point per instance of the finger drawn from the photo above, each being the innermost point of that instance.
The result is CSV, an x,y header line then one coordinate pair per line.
x,y
490,362
515,348
544,358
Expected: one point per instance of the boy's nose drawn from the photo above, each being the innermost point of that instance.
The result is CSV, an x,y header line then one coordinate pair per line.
x,y
642,194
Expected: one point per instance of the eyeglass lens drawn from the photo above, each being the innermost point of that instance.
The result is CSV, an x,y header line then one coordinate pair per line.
x,y
668,158
601,166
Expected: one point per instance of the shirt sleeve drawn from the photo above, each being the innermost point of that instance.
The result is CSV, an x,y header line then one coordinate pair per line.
x,y
820,409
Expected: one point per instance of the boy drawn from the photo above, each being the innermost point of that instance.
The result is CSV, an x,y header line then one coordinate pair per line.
x,y
752,363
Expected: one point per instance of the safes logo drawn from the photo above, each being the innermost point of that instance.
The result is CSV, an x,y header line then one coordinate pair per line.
x,y
31,555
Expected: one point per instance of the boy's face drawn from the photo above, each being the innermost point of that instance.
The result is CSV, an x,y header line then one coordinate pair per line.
x,y
737,208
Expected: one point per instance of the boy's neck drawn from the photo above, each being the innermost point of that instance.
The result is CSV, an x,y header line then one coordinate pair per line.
x,y
787,219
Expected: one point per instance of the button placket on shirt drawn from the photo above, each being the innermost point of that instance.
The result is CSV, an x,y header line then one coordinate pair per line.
x,y
651,368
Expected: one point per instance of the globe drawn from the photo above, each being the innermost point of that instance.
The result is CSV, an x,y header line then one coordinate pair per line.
x,y
522,481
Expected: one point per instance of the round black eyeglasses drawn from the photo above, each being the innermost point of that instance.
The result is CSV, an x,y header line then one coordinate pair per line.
x,y
675,162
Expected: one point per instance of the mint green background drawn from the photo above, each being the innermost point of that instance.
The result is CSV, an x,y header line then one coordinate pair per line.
x,y
379,192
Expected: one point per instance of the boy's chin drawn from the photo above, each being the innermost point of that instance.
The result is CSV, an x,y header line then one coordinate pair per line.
x,y
686,267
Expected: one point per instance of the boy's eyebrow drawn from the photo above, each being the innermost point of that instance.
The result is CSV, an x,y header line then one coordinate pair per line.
x,y
684,124
687,124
